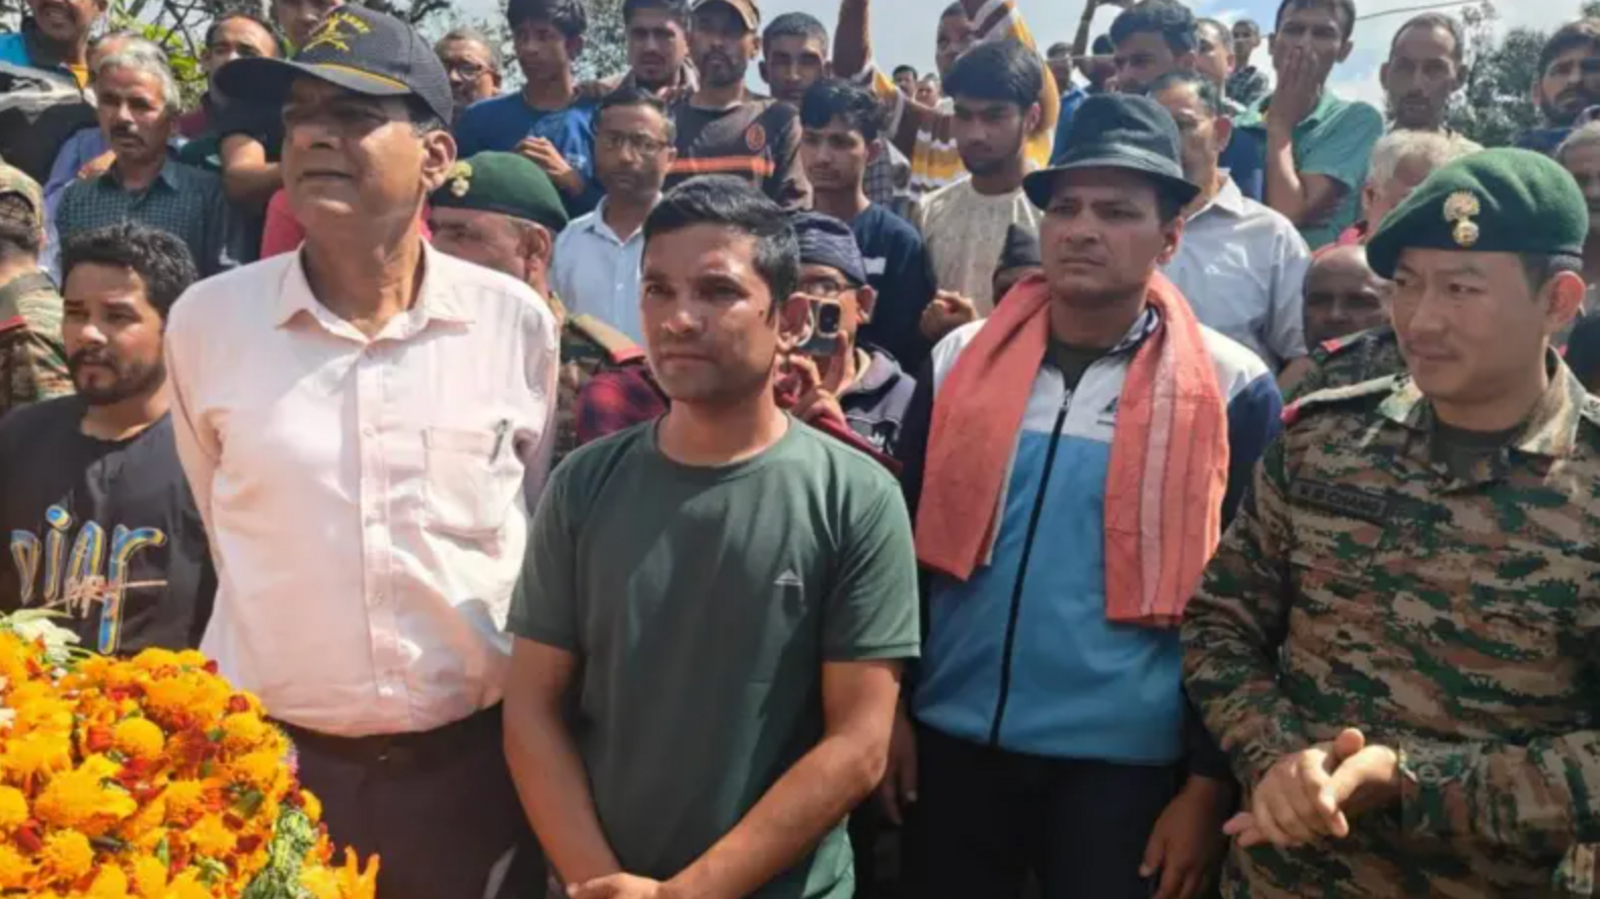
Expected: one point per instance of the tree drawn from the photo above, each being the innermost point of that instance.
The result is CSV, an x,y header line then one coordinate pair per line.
x,y
1494,107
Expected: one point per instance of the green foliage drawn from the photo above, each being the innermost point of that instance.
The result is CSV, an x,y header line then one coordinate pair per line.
x,y
1495,107
605,47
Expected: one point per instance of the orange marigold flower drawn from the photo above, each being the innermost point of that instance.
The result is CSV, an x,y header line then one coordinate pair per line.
x,y
15,870
109,883
139,738
187,886
211,837
184,798
312,806
149,877
67,855
13,808
261,769
243,731
80,800
34,755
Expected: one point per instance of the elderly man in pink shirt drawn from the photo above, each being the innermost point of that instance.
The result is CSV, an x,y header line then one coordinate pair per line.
x,y
363,424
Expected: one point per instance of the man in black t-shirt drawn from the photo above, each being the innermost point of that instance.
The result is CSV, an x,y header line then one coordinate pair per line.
x,y
93,503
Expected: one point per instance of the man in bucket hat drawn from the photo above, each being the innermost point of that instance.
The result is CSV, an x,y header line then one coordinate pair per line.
x,y
1426,725
364,424
1090,408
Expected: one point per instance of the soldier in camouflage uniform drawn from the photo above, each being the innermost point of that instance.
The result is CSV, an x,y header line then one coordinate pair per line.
x,y
1396,642
33,363
503,212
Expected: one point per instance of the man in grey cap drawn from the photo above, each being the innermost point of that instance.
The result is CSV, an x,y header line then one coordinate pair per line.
x,y
1051,734
364,424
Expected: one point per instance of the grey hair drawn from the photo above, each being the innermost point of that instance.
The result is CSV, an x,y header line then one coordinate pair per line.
x,y
1431,147
1587,136
472,35
143,55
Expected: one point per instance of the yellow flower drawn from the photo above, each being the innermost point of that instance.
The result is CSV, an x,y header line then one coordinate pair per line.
x,y
262,769
149,877
184,797
139,738
244,731
79,800
109,883
313,805
35,755
14,869
187,886
13,808
211,837
67,855
155,659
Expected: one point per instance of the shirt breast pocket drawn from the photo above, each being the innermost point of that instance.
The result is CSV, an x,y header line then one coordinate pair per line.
x,y
472,480
1338,535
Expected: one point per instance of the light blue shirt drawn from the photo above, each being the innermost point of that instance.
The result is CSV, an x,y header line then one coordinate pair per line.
x,y
596,273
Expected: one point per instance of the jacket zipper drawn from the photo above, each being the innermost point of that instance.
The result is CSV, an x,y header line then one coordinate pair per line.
x,y
1022,572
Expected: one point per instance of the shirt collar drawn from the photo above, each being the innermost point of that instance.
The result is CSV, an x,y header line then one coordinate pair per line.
x,y
436,300
597,224
1229,199
168,176
1550,431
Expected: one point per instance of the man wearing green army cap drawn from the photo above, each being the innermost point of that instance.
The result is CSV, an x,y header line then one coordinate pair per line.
x,y
1394,642
503,212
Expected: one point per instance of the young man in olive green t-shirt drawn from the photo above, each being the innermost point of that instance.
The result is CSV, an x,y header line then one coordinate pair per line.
x,y
715,607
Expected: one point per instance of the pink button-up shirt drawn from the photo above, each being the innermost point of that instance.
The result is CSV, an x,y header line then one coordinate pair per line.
x,y
365,498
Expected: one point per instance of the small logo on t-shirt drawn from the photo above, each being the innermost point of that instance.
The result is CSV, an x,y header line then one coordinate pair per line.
x,y
788,579
755,138
1108,415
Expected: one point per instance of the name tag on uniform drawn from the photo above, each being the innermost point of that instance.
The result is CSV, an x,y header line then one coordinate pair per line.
x,y
1352,502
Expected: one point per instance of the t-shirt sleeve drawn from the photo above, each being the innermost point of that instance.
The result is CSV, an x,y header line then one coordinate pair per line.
x,y
544,607
1344,146
871,611
469,133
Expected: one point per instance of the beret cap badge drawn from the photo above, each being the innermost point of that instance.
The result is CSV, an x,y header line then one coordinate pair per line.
x,y
461,179
1460,208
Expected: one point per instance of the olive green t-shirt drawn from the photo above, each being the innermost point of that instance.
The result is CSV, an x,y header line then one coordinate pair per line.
x,y
701,604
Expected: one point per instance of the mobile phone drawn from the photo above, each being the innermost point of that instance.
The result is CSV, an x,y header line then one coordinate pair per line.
x,y
827,317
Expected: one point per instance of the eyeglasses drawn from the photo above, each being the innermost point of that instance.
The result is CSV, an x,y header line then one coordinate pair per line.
x,y
644,144
826,288
469,71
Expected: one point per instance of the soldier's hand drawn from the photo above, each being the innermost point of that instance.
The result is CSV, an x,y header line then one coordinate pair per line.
x,y
899,786
1368,776
1284,808
1185,843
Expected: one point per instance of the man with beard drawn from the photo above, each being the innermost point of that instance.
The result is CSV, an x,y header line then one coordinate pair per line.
x,y
473,64
657,34
54,36
715,607
1568,68
722,128
1426,67
33,363
924,130
137,99
547,121
94,478
364,424
996,88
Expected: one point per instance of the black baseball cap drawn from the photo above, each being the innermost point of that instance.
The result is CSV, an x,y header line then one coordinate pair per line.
x,y
355,48
1118,131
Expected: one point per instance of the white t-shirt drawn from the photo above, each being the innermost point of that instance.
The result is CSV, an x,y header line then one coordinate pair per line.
x,y
965,232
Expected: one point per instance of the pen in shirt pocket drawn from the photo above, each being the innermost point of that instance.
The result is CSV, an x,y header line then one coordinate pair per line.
x,y
501,429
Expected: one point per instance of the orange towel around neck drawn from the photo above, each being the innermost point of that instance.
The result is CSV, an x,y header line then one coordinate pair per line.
x,y
1169,454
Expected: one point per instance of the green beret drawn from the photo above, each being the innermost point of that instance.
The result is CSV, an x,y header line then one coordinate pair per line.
x,y
1496,201
505,183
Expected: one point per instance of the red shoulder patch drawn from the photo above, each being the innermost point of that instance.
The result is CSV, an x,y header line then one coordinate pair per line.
x,y
1291,414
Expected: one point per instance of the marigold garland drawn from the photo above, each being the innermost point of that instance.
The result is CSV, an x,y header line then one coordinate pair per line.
x,y
149,778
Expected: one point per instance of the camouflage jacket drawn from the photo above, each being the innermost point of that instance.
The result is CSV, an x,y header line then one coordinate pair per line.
x,y
588,346
1344,361
1456,621
33,364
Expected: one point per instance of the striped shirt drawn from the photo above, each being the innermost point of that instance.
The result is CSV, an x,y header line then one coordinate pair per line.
x,y
935,162
757,140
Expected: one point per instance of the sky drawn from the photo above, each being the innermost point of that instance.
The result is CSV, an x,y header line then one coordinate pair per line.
x,y
903,30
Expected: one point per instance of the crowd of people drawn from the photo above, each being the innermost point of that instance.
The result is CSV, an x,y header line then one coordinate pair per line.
x,y
1121,469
